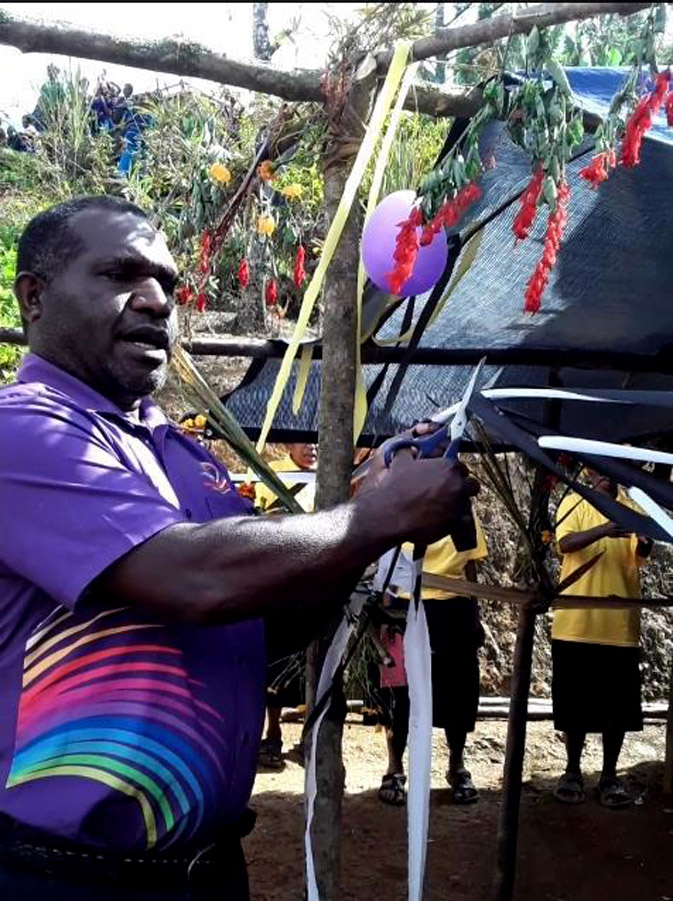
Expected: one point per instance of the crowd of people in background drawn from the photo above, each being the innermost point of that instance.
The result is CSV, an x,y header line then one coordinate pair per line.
x,y
113,110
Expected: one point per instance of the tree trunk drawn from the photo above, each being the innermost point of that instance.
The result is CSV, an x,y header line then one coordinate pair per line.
x,y
262,47
337,396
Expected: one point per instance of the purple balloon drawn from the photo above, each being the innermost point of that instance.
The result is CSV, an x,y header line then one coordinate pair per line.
x,y
378,245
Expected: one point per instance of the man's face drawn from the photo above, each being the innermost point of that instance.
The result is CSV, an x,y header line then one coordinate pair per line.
x,y
304,455
109,317
601,482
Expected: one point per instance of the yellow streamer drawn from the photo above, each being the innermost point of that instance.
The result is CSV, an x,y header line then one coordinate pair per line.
x,y
377,120
302,376
360,408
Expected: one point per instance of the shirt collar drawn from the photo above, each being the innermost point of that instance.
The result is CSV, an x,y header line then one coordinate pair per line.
x,y
34,368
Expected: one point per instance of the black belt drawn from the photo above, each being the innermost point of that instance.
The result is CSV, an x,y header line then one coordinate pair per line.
x,y
26,848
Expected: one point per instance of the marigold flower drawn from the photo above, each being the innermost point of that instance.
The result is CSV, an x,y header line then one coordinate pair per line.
x,y
293,191
220,173
247,490
244,274
266,225
271,293
265,171
200,421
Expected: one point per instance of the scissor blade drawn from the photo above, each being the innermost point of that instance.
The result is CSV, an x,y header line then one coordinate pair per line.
x,y
460,419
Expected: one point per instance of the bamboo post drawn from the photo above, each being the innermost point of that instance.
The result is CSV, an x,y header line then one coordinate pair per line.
x,y
337,395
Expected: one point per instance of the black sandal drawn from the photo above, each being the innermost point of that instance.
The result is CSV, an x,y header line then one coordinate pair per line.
x,y
613,794
570,789
271,755
462,787
392,790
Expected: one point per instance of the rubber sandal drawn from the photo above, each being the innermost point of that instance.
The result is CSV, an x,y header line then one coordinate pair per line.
x,y
392,790
462,787
270,755
570,789
613,794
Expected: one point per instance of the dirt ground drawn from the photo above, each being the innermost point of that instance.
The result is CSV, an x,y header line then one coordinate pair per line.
x,y
583,853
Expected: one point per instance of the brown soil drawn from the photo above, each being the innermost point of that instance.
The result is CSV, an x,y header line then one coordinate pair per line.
x,y
583,853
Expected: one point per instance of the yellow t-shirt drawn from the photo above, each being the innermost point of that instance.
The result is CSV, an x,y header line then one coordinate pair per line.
x,y
264,497
442,559
615,573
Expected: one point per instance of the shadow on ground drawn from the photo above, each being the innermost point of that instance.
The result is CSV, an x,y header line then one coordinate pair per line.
x,y
566,853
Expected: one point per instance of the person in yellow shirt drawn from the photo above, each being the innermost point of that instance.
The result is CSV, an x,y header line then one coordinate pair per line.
x,y
456,635
595,651
285,672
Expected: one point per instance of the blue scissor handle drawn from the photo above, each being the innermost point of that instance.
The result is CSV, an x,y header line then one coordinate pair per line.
x,y
424,446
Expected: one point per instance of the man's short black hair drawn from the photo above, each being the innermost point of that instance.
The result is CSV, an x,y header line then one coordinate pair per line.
x,y
48,244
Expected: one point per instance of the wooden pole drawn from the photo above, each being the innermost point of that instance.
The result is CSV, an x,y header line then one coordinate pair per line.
x,y
668,764
508,824
337,396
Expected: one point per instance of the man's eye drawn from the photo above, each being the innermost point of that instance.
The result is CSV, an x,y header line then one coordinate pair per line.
x,y
116,275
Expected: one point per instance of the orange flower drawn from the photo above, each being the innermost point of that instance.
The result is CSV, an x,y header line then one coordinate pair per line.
x,y
220,173
266,225
293,191
265,171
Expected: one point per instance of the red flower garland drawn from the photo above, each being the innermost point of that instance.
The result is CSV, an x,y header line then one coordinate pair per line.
x,y
244,274
640,121
271,293
598,169
299,270
407,246
669,109
206,248
184,296
408,243
201,302
529,201
556,224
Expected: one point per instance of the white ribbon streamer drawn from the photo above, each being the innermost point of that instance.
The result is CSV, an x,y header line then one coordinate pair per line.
x,y
652,508
332,660
603,449
419,681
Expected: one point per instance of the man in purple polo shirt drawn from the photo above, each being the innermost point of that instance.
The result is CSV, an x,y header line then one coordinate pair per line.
x,y
134,586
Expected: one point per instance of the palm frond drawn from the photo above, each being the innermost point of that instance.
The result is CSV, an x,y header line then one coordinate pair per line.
x,y
228,427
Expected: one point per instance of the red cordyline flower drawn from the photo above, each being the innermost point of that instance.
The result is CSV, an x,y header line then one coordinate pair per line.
x,y
529,200
244,274
669,109
271,293
206,247
299,270
598,169
184,295
451,212
556,224
640,120
201,302
407,246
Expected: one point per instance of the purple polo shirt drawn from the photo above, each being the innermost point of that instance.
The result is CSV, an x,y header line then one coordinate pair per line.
x,y
115,730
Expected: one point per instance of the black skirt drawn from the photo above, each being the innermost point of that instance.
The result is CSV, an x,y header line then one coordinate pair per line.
x,y
455,637
596,687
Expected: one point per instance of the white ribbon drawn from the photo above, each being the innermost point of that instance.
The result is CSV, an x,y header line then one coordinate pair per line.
x,y
603,449
332,660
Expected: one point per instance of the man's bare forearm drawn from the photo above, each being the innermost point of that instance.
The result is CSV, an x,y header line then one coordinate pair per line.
x,y
241,568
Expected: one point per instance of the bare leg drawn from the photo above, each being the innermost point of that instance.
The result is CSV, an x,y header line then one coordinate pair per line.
x,y
456,742
273,731
398,732
574,747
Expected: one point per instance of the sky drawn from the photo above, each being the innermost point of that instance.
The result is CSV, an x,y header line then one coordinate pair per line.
x,y
225,27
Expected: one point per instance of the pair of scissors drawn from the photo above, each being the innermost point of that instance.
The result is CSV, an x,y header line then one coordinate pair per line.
x,y
424,447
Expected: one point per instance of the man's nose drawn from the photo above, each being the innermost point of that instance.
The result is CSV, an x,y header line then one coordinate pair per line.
x,y
150,297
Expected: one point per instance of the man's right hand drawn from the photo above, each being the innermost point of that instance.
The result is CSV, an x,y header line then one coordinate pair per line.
x,y
612,530
418,498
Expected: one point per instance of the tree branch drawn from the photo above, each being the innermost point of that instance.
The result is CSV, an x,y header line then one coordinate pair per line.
x,y
488,30
187,58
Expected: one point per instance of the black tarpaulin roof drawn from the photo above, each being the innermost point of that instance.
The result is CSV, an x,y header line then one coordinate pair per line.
x,y
609,301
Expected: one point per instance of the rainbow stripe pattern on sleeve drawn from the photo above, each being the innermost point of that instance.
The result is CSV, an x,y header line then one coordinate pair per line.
x,y
109,699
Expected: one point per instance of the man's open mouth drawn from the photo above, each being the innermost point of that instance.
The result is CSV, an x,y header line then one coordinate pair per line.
x,y
151,341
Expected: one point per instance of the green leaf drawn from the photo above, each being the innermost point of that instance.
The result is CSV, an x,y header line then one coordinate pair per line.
x,y
559,76
533,42
614,57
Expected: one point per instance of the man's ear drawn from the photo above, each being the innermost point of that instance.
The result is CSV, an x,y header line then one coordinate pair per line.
x,y
29,291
